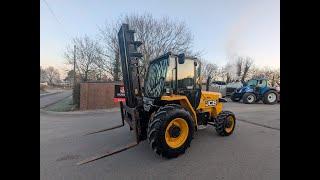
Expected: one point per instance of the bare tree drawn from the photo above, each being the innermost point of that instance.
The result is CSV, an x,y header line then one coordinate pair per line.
x,y
208,70
88,57
53,75
248,61
253,72
227,72
109,41
157,35
43,75
276,77
211,70
239,64
242,65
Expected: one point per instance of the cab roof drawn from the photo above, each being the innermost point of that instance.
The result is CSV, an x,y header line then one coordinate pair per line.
x,y
259,79
166,55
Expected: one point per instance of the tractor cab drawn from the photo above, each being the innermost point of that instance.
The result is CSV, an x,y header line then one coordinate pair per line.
x,y
258,85
173,74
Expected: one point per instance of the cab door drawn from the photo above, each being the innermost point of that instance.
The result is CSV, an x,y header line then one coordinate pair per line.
x,y
186,82
261,86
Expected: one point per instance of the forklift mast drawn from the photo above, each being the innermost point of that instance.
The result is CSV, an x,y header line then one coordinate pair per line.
x,y
132,111
129,57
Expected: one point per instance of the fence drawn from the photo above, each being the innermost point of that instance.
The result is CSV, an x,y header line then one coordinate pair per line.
x,y
97,95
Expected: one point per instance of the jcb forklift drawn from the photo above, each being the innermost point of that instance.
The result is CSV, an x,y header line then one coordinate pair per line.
x,y
170,106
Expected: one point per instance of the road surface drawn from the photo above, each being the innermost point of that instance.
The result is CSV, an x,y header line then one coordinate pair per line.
x,y
252,152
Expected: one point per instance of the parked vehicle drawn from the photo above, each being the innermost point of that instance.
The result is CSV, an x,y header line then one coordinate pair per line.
x,y
255,90
219,86
231,87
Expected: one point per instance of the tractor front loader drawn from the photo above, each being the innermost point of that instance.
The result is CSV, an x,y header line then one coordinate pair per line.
x,y
170,106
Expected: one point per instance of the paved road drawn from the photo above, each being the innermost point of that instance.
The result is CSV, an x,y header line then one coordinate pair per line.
x,y
252,152
51,99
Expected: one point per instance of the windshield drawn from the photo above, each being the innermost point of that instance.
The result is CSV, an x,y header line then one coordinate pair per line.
x,y
155,78
252,82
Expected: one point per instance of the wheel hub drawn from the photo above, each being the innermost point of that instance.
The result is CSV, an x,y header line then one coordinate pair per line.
x,y
228,123
272,97
250,98
174,131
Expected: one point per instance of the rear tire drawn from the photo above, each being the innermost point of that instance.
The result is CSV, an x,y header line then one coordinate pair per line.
x,y
270,97
249,98
223,127
158,130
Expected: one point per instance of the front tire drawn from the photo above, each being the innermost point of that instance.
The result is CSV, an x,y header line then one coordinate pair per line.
x,y
249,98
170,131
225,123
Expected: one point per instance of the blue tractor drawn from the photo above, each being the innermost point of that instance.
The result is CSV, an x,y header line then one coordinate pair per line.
x,y
255,90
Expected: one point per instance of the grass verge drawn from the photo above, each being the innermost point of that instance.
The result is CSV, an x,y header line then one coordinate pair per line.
x,y
62,106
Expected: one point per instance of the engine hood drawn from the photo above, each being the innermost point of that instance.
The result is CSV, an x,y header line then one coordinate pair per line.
x,y
244,89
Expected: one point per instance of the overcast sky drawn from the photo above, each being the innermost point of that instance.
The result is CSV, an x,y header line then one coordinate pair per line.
x,y
220,27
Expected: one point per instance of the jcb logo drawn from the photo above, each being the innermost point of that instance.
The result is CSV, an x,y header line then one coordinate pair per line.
x,y
211,103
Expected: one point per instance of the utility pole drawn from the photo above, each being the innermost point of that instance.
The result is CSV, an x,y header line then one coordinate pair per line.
x,y
74,66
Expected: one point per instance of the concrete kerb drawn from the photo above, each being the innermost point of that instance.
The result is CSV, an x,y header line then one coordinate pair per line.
x,y
48,94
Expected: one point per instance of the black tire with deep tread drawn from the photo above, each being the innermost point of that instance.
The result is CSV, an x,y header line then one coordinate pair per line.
x,y
265,97
220,123
245,96
157,127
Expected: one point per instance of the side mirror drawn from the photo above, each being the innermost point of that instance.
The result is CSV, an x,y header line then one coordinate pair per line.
x,y
181,58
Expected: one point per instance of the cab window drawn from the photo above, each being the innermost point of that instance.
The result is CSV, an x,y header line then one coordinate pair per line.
x,y
186,73
262,83
171,74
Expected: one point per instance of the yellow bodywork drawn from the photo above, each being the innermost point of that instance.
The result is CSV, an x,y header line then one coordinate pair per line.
x,y
184,102
210,96
209,102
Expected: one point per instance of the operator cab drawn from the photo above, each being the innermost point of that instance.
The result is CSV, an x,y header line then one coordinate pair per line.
x,y
173,74
258,84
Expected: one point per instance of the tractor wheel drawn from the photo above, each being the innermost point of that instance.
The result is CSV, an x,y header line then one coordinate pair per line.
x,y
270,97
234,99
170,131
249,98
225,123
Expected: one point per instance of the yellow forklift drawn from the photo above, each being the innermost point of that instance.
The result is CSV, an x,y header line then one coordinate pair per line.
x,y
170,106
